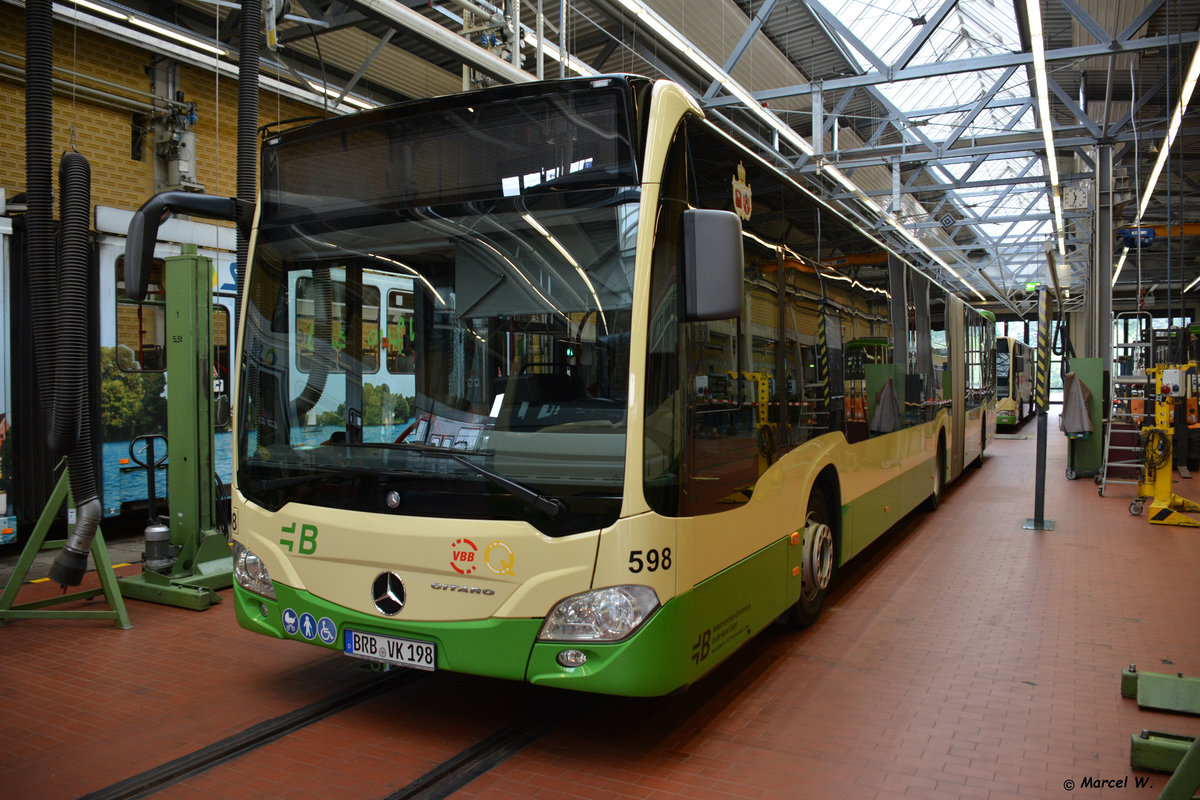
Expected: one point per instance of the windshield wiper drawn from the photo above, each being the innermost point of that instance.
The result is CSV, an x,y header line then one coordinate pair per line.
x,y
552,507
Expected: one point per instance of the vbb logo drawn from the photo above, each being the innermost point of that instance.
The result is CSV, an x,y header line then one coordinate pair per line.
x,y
462,556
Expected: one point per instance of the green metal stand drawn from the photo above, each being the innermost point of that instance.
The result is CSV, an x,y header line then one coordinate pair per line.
x,y
1186,778
204,562
1155,751
194,586
1161,691
1166,752
39,609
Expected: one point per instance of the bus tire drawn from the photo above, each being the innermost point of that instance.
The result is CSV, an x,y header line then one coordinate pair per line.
x,y
818,558
939,480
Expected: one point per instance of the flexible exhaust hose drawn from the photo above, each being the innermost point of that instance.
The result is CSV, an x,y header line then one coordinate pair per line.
x,y
39,190
247,129
247,153
73,433
70,383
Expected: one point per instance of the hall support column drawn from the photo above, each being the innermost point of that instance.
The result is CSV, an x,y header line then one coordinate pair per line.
x,y
1100,303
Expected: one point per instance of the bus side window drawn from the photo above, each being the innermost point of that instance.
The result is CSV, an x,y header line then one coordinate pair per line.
x,y
142,327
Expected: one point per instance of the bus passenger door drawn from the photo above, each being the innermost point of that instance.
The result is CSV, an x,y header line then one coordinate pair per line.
x,y
956,345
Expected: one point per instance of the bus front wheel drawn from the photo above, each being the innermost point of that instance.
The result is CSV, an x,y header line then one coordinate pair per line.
x,y
817,562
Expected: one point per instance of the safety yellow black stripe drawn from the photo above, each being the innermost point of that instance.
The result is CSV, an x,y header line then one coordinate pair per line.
x,y
1041,390
823,359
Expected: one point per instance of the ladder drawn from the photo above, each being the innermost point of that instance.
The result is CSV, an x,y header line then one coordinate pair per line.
x,y
1127,392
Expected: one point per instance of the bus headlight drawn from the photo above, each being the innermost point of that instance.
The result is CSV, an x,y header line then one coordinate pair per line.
x,y
601,615
251,573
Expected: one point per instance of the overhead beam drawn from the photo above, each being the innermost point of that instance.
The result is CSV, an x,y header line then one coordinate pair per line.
x,y
927,30
1069,103
338,23
1086,20
405,18
980,105
1007,145
978,64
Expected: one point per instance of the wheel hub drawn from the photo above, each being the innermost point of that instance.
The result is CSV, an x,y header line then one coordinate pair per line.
x,y
817,555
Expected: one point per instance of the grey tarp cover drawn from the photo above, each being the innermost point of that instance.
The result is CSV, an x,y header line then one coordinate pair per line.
x,y
887,410
1075,417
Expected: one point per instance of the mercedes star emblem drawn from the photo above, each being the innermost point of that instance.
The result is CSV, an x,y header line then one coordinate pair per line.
x,y
388,593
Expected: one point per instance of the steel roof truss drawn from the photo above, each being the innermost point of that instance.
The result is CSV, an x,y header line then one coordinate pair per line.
x,y
980,105
1073,106
1086,20
1009,189
1078,137
1146,97
847,36
923,35
1152,7
975,64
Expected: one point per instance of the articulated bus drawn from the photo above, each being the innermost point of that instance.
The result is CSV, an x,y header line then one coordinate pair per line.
x,y
1015,365
556,383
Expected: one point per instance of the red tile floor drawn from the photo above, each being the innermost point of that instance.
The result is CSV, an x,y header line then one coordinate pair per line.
x,y
961,657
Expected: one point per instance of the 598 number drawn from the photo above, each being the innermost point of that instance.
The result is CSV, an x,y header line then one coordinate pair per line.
x,y
650,560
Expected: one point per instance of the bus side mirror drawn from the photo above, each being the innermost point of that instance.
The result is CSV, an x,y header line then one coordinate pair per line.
x,y
143,229
713,264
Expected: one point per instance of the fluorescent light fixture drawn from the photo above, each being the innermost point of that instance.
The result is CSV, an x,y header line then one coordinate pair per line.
x,y
1034,13
179,37
1121,266
710,68
363,104
334,93
100,9
1185,96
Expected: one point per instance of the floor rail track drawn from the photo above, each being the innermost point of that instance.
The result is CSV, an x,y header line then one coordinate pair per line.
x,y
198,761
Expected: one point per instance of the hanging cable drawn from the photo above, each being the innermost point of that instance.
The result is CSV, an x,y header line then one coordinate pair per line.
x,y
1137,180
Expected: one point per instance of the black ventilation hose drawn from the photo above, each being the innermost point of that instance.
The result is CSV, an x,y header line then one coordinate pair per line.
x,y
73,434
143,229
71,341
39,191
247,130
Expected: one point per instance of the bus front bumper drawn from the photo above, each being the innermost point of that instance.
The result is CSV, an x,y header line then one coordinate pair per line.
x,y
648,663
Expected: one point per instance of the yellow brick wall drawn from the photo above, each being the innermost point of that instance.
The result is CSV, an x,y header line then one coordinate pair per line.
x,y
103,134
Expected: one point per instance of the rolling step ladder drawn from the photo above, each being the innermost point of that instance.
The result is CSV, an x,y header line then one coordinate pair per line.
x,y
1131,399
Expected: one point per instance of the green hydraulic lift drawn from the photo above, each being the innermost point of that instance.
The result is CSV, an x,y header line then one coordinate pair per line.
x,y
188,559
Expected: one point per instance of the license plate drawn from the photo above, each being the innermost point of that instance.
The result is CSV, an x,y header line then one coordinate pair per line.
x,y
391,649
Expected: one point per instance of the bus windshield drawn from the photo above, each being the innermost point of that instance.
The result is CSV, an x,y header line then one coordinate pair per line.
x,y
441,334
